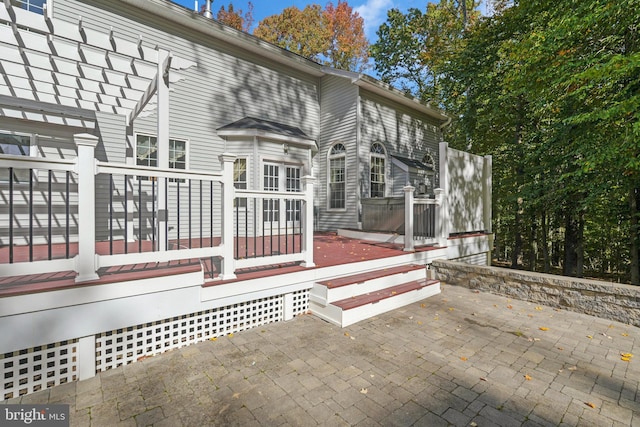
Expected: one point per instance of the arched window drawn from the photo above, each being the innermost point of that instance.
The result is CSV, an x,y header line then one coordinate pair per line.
x,y
427,159
378,156
337,176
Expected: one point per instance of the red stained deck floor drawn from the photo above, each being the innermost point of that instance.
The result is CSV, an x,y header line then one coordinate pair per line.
x,y
329,250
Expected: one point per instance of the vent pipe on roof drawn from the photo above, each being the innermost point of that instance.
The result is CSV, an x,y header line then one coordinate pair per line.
x,y
207,9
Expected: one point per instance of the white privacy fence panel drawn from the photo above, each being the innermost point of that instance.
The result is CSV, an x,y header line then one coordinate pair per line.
x,y
469,179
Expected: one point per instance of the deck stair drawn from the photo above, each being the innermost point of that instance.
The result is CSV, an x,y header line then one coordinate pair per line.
x,y
346,300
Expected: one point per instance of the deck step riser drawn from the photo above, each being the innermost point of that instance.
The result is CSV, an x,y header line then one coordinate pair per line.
x,y
343,318
324,295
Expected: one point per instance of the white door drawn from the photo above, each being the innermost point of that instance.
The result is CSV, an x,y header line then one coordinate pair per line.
x,y
280,216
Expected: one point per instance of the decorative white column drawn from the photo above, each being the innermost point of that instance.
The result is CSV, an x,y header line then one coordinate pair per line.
x,y
408,218
228,194
162,140
86,170
444,222
307,219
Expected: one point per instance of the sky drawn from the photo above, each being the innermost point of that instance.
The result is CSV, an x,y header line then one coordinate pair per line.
x,y
374,12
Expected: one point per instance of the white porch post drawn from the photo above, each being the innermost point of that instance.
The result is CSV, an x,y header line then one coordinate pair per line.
x,y
443,222
228,194
408,218
487,207
86,169
162,138
307,220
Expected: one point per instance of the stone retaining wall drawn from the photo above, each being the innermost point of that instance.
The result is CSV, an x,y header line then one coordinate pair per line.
x,y
602,299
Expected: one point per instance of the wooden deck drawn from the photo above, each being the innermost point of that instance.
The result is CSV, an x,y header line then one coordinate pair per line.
x,y
329,249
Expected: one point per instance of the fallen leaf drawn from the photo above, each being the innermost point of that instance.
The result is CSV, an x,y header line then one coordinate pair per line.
x,y
543,328
538,308
625,359
346,334
464,359
624,334
419,322
473,424
572,368
423,305
590,337
364,391
236,395
451,308
590,405
509,306
213,339
560,348
483,379
527,377
626,355
230,335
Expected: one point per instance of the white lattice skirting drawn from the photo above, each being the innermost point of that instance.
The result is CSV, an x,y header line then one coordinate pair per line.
x,y
30,370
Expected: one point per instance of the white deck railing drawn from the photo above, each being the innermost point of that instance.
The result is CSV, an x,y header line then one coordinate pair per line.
x,y
102,214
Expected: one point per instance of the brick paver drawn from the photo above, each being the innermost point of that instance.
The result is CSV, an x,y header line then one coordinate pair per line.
x,y
459,358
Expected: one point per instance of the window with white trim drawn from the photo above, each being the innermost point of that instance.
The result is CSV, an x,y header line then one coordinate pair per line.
x,y
377,173
16,144
147,152
337,176
240,180
36,6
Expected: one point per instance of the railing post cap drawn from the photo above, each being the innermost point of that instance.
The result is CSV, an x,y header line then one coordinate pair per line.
x,y
408,188
86,139
309,179
227,157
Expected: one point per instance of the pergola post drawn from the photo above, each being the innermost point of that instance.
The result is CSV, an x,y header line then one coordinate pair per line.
x,y
162,139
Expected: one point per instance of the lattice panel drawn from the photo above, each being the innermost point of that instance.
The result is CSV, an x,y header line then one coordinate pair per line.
x,y
124,346
30,370
300,302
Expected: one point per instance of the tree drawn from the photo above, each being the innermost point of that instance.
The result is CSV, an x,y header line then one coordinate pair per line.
x,y
413,48
348,47
333,36
234,17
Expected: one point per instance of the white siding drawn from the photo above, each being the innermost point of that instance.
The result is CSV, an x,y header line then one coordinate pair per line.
x,y
339,124
403,132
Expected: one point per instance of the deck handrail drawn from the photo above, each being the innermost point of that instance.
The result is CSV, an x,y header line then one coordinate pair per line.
x,y
132,197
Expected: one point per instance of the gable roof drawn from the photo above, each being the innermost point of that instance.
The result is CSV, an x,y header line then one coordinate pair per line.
x,y
187,18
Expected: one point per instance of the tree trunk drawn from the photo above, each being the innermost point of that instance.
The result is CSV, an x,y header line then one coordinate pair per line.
x,y
634,206
573,242
545,243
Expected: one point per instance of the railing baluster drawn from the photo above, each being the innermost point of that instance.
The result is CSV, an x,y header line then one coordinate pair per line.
x,y
50,215
178,210
166,204
153,214
211,214
189,213
31,215
246,228
255,227
126,216
237,233
10,215
139,214
67,208
111,214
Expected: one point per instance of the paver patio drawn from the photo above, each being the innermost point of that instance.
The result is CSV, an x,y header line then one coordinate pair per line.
x,y
460,358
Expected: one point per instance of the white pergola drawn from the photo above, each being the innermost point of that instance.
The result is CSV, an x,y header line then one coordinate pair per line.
x,y
60,72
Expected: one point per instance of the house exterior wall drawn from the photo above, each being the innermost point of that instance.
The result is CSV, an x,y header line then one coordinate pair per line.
x,y
403,133
226,84
339,118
